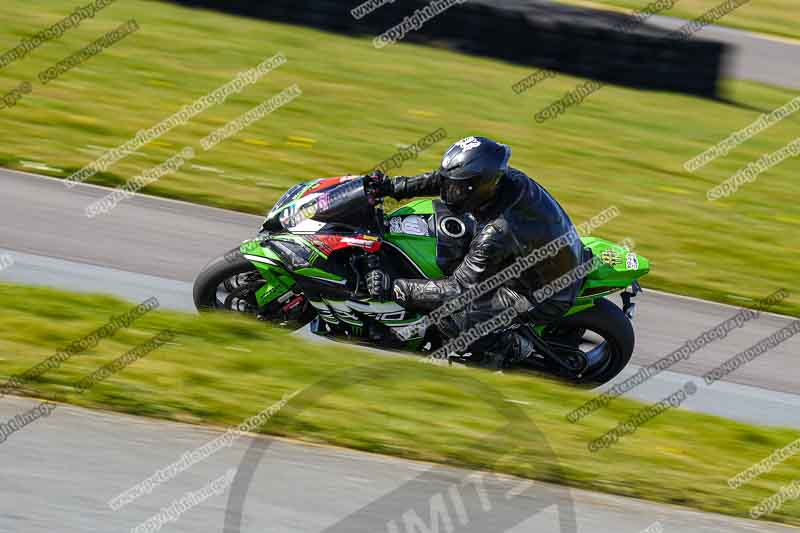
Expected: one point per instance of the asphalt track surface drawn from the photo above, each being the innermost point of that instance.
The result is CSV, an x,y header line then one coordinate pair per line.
x,y
154,247
60,472
752,56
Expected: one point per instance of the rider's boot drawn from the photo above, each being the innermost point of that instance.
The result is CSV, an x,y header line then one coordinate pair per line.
x,y
511,347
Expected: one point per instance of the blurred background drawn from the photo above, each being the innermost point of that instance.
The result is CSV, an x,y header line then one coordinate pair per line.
x,y
678,77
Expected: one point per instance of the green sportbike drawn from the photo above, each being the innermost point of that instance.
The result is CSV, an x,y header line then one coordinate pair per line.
x,y
309,262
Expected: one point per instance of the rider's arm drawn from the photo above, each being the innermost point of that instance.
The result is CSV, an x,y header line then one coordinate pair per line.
x,y
410,186
488,250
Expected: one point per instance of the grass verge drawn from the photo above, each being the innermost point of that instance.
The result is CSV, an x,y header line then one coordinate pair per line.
x,y
620,147
222,369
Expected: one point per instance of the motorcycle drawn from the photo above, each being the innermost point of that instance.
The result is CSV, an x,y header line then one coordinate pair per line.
x,y
309,261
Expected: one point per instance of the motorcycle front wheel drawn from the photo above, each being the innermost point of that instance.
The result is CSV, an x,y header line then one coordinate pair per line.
x,y
230,282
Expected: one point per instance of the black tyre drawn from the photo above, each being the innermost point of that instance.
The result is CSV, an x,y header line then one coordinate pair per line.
x,y
613,332
228,282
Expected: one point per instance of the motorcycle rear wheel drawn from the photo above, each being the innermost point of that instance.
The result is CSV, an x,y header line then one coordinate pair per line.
x,y
611,355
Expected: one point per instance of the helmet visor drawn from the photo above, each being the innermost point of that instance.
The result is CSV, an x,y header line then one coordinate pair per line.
x,y
457,193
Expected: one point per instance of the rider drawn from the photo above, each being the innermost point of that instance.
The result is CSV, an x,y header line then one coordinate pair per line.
x,y
515,216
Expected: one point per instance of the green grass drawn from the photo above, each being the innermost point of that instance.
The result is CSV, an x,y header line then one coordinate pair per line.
x,y
620,147
395,406
776,17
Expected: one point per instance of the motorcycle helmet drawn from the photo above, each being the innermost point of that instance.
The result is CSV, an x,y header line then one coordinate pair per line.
x,y
470,171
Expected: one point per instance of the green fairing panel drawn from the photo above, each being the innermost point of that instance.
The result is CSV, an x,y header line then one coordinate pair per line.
x,y
621,272
253,247
421,250
278,280
417,207
317,273
612,277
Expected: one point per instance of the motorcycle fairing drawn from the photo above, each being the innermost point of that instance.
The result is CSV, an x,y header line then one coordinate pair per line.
x,y
417,238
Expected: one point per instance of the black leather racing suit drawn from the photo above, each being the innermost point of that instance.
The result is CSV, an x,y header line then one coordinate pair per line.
x,y
522,218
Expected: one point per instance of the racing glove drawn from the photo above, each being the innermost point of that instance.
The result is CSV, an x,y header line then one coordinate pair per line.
x,y
378,185
379,285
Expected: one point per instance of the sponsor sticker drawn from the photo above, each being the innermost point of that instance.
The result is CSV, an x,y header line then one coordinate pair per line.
x,y
632,261
415,225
